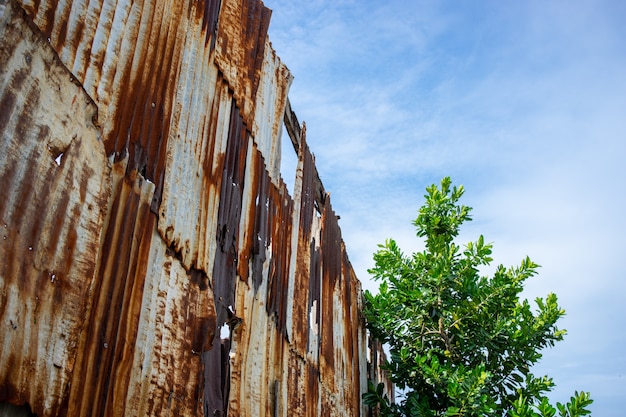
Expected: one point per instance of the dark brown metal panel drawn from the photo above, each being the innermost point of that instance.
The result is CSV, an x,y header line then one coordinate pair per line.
x,y
314,312
226,255
293,127
216,378
331,277
210,20
229,216
261,233
281,206
54,186
307,195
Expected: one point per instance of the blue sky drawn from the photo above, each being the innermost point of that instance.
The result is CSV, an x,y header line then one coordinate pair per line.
x,y
524,103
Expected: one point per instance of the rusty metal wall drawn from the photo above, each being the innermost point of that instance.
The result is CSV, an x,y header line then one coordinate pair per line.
x,y
152,261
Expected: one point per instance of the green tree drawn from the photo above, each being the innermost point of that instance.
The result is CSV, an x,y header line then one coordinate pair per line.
x,y
461,344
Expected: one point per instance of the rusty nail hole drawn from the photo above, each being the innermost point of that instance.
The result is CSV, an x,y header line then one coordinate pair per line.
x,y
13,325
56,365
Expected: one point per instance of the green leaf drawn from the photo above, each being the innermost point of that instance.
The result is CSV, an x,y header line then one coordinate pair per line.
x,y
453,411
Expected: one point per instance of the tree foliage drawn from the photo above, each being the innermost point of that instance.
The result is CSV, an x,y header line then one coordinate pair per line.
x,y
461,344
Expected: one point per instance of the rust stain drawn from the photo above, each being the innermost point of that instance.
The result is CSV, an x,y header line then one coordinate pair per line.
x,y
54,173
152,261
117,294
240,48
210,20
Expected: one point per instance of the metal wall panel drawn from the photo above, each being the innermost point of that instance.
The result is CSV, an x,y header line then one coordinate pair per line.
x,y
53,199
152,261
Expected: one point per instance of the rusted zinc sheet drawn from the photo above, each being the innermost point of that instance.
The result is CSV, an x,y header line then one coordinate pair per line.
x,y
160,266
54,193
375,362
150,322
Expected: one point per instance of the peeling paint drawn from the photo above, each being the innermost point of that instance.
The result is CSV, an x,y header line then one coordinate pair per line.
x,y
152,260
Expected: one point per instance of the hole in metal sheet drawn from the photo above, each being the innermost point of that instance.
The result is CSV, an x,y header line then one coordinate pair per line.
x,y
313,318
288,161
225,331
57,153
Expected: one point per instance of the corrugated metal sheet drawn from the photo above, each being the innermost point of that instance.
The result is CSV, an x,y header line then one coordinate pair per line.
x,y
54,181
152,261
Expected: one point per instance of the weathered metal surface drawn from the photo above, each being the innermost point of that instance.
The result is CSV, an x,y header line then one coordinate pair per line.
x,y
271,103
160,266
375,362
54,193
145,356
240,47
